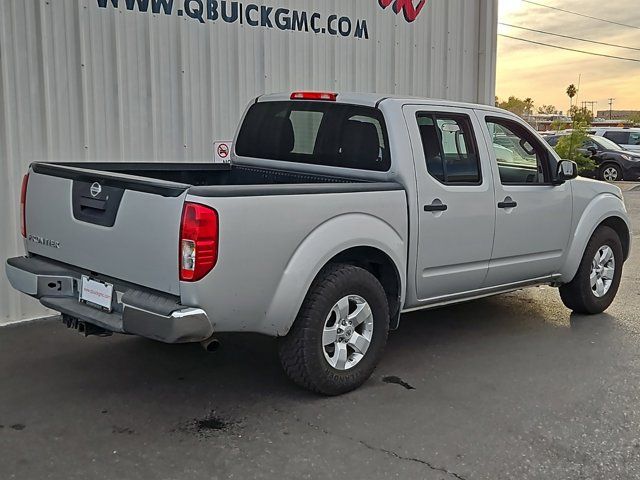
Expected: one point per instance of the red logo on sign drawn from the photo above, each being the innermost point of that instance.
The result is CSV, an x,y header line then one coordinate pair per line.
x,y
223,150
408,7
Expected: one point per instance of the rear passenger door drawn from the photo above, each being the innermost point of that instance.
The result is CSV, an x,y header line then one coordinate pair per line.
x,y
533,216
455,201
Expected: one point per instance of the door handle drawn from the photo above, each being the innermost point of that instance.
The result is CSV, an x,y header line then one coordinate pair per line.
x,y
436,206
508,203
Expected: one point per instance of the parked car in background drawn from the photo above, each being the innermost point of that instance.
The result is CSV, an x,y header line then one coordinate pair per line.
x,y
614,163
627,138
338,213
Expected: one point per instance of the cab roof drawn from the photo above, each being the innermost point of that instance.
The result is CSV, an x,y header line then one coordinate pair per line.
x,y
374,99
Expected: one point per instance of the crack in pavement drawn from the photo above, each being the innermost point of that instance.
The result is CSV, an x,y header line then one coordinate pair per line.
x,y
391,453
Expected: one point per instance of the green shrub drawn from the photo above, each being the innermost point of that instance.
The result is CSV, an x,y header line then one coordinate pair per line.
x,y
569,147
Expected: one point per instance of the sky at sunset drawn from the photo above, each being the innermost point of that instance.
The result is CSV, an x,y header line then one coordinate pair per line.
x,y
542,73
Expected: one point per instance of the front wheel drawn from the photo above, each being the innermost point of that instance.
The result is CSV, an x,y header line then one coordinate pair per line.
x,y
596,283
610,172
340,333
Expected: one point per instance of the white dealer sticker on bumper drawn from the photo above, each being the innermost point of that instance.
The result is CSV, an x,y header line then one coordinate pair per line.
x,y
96,293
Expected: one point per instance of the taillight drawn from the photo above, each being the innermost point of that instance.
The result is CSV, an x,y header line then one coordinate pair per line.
x,y
326,96
198,241
23,206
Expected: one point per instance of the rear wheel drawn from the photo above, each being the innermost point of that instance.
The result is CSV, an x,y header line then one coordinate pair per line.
x,y
610,172
595,285
340,333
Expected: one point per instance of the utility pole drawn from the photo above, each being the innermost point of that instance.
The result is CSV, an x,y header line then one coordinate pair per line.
x,y
611,100
591,103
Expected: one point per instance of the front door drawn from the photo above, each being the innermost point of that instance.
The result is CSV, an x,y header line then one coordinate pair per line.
x,y
533,216
455,201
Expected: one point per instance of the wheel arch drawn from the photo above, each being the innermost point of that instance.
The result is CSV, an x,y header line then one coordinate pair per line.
x,y
374,245
381,266
621,228
604,210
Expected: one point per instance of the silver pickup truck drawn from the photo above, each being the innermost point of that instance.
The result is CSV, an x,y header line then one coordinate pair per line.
x,y
338,213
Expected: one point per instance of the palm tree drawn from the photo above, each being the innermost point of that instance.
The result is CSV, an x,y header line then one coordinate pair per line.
x,y
572,91
528,105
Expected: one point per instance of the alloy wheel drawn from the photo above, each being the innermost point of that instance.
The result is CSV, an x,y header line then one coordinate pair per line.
x,y
347,333
603,268
610,174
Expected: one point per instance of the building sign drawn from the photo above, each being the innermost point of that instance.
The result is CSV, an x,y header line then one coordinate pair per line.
x,y
250,14
264,16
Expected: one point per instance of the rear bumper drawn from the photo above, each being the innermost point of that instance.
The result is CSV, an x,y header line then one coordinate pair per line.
x,y
136,310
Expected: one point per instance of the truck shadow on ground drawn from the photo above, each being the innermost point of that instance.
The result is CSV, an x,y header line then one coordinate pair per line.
x,y
248,364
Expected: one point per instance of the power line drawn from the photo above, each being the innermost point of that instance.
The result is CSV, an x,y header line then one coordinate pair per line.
x,y
570,49
581,14
569,37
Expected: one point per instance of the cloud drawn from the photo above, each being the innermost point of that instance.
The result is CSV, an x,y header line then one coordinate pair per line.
x,y
543,73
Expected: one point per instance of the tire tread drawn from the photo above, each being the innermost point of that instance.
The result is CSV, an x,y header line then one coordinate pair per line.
x,y
296,360
574,295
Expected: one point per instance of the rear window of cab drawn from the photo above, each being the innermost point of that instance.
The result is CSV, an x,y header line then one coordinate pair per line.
x,y
316,133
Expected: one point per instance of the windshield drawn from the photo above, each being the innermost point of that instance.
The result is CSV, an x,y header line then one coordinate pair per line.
x,y
607,144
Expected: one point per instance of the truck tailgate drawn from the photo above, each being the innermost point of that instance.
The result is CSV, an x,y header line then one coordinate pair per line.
x,y
117,225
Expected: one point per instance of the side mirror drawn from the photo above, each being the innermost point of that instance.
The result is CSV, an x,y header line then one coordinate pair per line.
x,y
593,150
567,170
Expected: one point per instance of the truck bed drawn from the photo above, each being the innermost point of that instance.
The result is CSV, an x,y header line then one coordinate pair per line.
x,y
122,220
188,174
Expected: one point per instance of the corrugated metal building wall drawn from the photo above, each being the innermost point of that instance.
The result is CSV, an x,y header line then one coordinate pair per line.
x,y
85,80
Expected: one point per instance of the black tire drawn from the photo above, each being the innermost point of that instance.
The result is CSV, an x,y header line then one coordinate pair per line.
x,y
302,352
577,295
614,166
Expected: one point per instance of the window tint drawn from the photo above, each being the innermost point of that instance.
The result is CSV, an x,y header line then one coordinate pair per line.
x,y
449,148
521,158
621,138
634,138
319,133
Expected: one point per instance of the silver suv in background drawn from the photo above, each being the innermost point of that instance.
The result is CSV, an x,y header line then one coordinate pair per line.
x,y
339,213
627,138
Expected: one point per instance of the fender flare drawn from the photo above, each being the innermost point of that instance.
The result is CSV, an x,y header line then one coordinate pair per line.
x,y
314,252
601,208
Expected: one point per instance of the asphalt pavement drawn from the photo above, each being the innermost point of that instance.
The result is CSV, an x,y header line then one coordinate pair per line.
x,y
509,387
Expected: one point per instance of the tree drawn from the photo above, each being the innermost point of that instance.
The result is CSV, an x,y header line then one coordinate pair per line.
x,y
547,110
557,125
572,91
516,105
581,115
569,147
528,105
